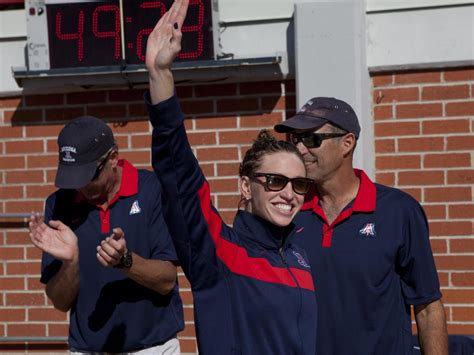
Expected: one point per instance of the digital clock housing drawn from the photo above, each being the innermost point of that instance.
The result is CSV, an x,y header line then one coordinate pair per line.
x,y
71,34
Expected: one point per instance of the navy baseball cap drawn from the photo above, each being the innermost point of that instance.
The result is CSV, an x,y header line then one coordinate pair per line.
x,y
321,110
82,142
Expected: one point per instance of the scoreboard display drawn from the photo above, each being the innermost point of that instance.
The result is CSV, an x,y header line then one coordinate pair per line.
x,y
72,34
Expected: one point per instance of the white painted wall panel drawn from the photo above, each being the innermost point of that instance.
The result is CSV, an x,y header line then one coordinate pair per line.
x,y
11,55
12,23
256,40
422,37
12,44
248,10
382,5
245,10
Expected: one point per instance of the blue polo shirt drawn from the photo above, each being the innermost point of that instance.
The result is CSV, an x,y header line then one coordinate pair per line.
x,y
369,265
113,313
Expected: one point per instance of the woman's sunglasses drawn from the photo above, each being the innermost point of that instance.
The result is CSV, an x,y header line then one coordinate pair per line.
x,y
277,182
313,140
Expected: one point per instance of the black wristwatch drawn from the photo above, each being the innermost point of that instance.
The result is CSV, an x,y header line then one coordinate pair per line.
x,y
126,260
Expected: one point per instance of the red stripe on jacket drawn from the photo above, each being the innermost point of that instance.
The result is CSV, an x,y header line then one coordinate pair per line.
x,y
237,259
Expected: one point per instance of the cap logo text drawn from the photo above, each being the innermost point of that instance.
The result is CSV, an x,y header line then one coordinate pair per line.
x,y
67,150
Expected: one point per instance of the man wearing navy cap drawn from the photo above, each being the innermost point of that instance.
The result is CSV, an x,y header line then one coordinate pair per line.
x,y
107,253
368,245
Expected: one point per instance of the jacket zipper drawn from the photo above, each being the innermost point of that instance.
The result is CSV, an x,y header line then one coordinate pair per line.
x,y
282,255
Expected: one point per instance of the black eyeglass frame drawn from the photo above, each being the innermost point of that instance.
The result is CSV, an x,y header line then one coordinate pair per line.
x,y
101,165
269,176
313,140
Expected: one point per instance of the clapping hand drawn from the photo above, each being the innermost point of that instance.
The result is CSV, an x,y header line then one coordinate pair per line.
x,y
112,248
57,239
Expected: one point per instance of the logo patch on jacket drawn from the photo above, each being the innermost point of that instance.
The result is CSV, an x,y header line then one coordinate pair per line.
x,y
135,208
368,230
300,259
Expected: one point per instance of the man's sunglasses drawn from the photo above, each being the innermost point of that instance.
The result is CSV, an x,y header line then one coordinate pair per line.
x,y
101,165
277,182
313,140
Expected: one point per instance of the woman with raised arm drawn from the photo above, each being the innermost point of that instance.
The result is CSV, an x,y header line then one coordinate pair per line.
x,y
251,284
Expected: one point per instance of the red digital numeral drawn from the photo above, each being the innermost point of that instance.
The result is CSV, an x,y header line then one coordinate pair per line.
x,y
72,36
146,31
108,34
195,28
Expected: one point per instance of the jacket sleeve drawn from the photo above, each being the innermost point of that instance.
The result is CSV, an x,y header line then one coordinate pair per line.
x,y
195,226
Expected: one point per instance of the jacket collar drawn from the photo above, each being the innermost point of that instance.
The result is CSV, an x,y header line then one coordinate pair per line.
x,y
262,232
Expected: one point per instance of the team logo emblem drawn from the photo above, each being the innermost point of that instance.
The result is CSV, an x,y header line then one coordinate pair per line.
x,y
300,259
68,157
368,230
67,150
135,208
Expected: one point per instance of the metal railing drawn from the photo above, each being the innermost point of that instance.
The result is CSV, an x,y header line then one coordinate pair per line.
x,y
15,215
33,340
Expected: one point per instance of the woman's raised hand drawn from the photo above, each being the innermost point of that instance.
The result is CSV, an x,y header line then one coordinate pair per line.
x,y
164,42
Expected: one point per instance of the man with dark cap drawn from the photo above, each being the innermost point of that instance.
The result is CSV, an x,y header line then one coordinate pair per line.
x,y
368,245
107,253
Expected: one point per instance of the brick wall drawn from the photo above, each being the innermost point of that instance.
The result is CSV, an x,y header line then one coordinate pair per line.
x,y
424,144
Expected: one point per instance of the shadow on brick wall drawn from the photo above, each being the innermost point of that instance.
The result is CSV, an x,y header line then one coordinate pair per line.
x,y
120,106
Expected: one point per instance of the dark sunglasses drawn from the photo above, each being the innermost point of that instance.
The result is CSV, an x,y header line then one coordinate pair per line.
x,y
101,166
313,140
277,182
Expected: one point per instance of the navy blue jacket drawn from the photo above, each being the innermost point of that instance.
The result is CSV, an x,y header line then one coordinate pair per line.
x,y
370,264
113,313
252,287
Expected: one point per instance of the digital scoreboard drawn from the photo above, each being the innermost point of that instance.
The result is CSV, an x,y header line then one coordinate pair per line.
x,y
73,34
